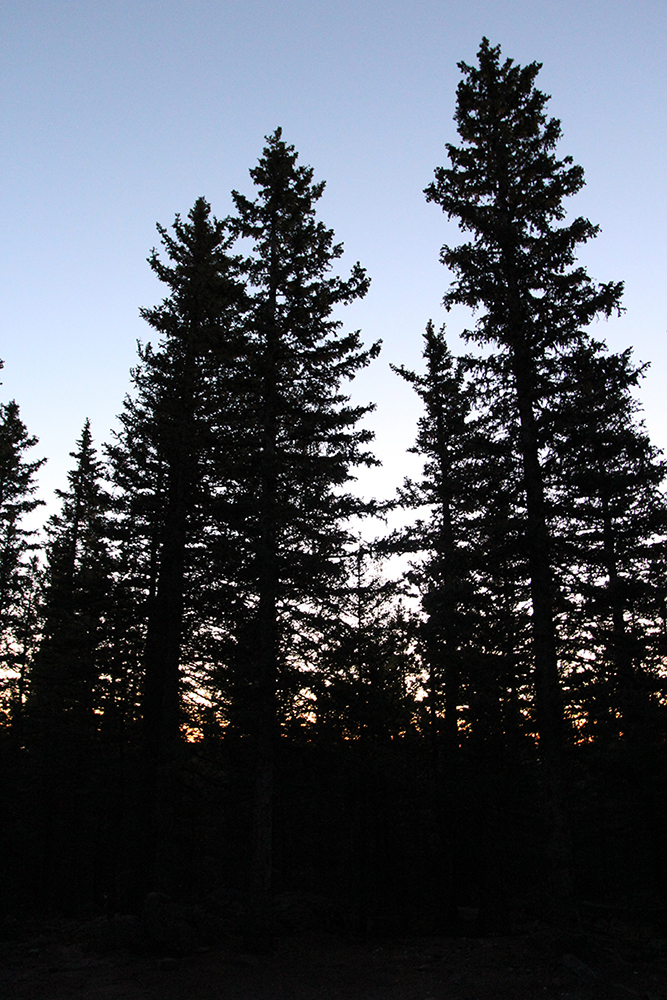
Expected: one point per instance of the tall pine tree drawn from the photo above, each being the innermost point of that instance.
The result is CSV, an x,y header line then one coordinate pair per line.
x,y
506,187
164,463
303,441
17,547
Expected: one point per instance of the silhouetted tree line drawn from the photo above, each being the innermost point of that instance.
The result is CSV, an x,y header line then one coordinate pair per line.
x,y
211,686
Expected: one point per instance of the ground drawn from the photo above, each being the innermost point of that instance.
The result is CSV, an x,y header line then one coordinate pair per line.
x,y
56,961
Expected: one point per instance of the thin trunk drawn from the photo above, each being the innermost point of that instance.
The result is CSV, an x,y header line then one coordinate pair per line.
x,y
28,625
259,930
161,707
510,703
549,701
620,652
162,703
447,764
258,937
447,602
163,637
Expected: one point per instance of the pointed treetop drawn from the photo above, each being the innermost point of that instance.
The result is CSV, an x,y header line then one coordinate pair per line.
x,y
506,186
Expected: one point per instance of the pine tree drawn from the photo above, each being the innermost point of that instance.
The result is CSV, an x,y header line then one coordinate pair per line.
x,y
442,440
195,320
607,495
17,547
471,573
66,686
164,463
506,187
20,646
136,470
67,681
303,439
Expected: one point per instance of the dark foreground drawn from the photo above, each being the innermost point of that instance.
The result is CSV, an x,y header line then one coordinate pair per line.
x,y
58,961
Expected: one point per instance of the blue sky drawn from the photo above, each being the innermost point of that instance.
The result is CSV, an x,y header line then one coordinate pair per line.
x,y
116,115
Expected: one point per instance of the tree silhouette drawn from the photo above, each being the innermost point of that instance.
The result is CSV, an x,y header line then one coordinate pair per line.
x,y
443,440
506,187
164,463
66,682
607,496
18,571
303,440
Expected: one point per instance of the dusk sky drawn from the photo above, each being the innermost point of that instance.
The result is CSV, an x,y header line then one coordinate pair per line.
x,y
116,115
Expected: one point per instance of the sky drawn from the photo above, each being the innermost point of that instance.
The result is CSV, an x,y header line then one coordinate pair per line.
x,y
117,115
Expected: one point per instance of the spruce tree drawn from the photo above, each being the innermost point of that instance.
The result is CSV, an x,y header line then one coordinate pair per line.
x,y
164,466
181,377
303,440
607,497
506,187
68,680
19,649
471,573
17,547
66,686
442,440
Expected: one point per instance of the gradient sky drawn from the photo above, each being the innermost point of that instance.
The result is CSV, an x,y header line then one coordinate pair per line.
x,y
116,115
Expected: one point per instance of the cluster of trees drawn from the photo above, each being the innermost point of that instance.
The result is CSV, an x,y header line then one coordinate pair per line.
x,y
203,608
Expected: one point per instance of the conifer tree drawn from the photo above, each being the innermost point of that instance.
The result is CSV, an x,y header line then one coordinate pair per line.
x,y
303,438
67,680
471,573
163,463
17,489
17,546
470,576
136,470
195,320
20,646
607,494
442,439
506,187
66,686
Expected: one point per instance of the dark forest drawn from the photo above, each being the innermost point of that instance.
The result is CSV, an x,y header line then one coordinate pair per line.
x,y
216,694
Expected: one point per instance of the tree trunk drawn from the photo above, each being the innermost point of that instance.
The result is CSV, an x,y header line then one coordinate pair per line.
x,y
621,656
259,936
549,700
161,706
161,702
